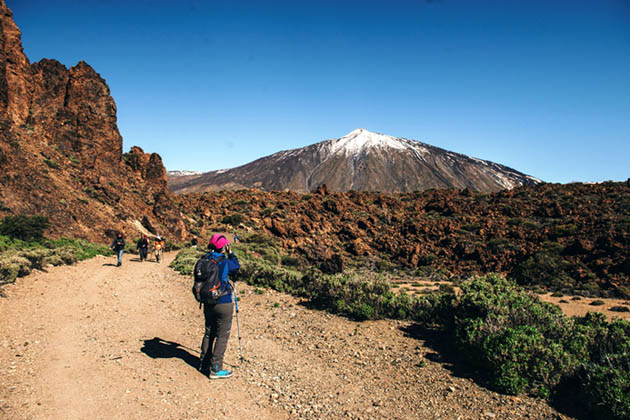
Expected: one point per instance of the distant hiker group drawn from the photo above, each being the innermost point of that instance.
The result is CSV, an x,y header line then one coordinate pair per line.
x,y
142,245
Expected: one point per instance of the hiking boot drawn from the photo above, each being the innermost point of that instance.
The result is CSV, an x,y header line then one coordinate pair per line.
x,y
222,374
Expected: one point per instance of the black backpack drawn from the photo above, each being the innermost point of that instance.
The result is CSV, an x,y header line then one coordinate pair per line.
x,y
208,287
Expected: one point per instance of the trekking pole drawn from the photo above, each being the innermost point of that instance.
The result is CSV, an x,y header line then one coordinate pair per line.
x,y
238,323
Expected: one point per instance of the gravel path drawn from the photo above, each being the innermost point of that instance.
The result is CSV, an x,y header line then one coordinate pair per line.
x,y
101,342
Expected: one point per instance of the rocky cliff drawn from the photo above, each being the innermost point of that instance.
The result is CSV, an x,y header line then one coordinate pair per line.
x,y
360,161
61,152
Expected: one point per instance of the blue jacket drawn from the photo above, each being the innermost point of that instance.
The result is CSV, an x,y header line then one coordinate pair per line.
x,y
230,265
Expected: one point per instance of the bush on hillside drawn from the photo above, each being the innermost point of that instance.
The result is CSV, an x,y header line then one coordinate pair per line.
x,y
233,219
8,243
605,377
513,336
12,267
82,249
185,261
25,228
18,258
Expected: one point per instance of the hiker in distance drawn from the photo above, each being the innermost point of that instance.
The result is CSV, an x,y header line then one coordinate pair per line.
x,y
118,246
193,242
217,304
143,247
158,244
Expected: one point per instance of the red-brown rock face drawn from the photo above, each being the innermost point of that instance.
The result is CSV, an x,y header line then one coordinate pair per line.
x,y
61,151
14,71
573,236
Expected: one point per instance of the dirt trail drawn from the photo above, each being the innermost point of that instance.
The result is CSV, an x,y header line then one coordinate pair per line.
x,y
95,341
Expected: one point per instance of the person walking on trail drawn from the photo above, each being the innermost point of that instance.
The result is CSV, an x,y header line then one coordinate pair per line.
x,y
158,244
118,245
193,242
143,247
218,317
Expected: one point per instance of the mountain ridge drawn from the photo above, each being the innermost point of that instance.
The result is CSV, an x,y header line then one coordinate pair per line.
x,y
361,160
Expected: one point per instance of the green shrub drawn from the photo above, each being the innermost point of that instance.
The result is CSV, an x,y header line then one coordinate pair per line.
x,y
13,266
605,378
185,261
173,246
259,238
37,257
545,267
26,228
289,261
7,243
233,219
513,336
64,255
8,271
80,248
51,163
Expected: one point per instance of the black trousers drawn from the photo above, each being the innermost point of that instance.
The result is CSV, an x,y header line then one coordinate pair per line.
x,y
218,325
143,254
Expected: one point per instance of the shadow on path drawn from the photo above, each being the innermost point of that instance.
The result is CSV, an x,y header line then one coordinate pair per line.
x,y
444,351
109,265
158,348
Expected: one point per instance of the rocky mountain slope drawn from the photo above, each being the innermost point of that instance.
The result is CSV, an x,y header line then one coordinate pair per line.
x,y
61,152
573,236
360,161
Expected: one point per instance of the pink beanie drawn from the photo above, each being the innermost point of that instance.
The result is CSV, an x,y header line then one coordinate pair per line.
x,y
218,241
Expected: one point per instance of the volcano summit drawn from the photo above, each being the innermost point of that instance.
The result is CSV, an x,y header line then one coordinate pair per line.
x,y
362,161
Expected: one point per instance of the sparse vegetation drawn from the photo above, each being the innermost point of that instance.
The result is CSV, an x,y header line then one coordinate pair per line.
x,y
19,257
51,163
234,219
522,344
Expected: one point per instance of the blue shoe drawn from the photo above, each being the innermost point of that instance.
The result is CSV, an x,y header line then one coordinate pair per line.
x,y
222,374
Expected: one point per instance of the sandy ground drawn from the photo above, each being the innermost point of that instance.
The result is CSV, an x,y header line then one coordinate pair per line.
x,y
94,341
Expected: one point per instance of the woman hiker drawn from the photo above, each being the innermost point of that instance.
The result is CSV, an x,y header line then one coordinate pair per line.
x,y
218,317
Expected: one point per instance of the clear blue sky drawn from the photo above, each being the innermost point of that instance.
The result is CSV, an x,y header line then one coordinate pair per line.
x,y
540,86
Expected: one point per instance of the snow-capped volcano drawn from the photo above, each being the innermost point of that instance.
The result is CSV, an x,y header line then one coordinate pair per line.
x,y
363,160
360,140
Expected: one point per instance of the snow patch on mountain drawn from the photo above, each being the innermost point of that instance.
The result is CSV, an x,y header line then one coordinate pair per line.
x,y
183,173
360,139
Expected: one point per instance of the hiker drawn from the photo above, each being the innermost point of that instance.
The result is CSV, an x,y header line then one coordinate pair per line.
x,y
235,238
193,242
218,317
118,246
143,247
158,245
